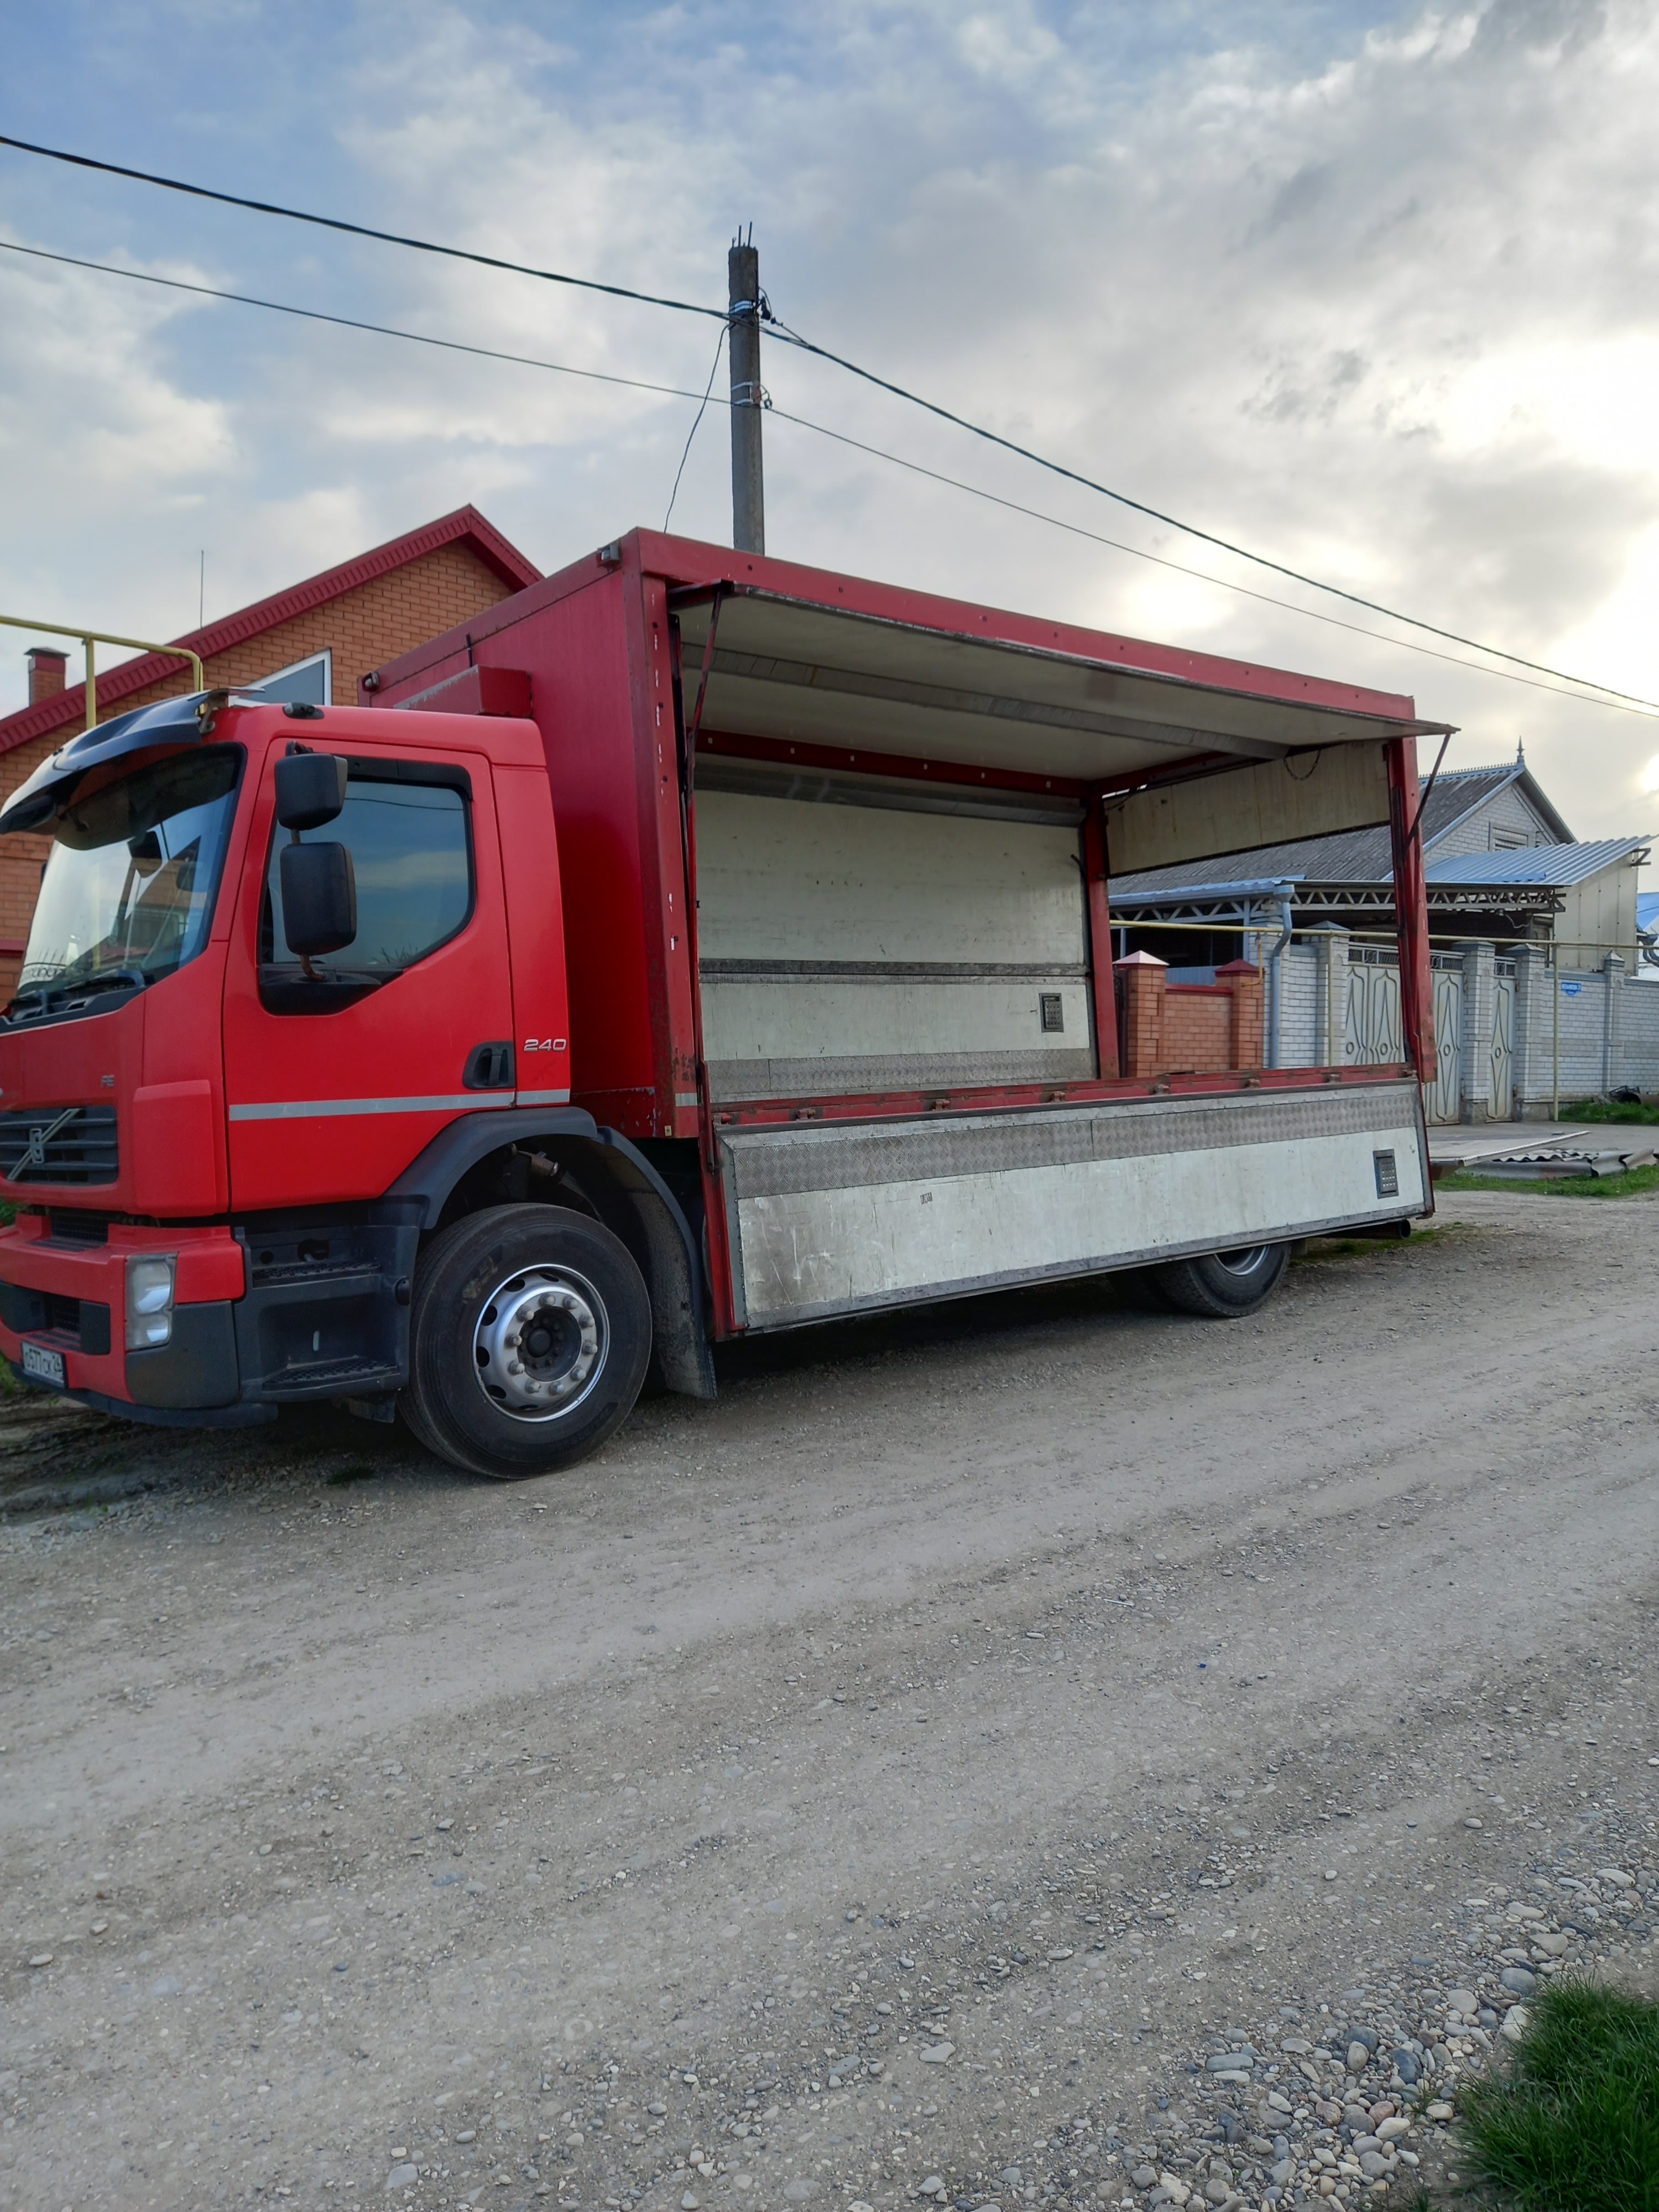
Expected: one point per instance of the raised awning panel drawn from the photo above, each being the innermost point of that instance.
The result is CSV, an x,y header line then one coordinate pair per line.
x,y
791,669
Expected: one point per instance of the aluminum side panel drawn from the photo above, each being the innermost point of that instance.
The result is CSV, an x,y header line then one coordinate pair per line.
x,y
847,948
837,1218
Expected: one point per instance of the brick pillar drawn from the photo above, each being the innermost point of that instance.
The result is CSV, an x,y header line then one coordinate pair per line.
x,y
1244,981
1474,1054
1139,979
1330,943
47,666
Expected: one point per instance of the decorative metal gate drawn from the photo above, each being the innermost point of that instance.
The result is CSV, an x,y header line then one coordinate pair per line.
x,y
1501,1104
1371,1034
1440,1100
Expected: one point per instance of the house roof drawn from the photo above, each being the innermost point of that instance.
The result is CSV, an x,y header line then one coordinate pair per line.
x,y
1555,866
1478,785
465,525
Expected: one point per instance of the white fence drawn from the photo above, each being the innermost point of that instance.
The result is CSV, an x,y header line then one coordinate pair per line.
x,y
1512,1034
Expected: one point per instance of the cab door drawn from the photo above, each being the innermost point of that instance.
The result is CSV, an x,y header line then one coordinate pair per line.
x,y
341,1068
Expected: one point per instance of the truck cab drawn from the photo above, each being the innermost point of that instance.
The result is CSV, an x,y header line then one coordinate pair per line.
x,y
214,1142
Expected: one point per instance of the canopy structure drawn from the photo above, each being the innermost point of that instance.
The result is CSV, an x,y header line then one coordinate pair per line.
x,y
788,669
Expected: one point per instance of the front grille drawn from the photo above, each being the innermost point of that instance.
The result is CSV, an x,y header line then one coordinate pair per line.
x,y
58,1144
79,1324
77,1228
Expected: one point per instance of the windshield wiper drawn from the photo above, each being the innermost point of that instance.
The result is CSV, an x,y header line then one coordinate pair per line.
x,y
43,998
110,979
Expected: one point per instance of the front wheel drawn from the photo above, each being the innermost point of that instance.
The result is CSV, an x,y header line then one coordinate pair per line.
x,y
1223,1286
529,1335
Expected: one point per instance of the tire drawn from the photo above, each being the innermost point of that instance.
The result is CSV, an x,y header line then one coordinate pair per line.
x,y
1223,1286
529,1335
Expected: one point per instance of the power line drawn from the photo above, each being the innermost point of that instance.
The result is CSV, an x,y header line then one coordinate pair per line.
x,y
807,345
720,346
357,229
1643,710
1646,709
351,323
787,336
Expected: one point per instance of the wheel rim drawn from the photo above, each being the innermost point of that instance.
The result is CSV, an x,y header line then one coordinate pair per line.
x,y
540,1343
1245,1261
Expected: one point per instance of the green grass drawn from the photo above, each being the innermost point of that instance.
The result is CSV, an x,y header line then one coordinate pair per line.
x,y
1354,1247
1646,1115
1572,2124
1630,1185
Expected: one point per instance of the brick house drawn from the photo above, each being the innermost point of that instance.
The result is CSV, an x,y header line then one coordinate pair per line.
x,y
315,641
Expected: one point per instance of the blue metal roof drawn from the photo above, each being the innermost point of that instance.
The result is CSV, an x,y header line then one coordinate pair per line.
x,y
1259,887
1552,867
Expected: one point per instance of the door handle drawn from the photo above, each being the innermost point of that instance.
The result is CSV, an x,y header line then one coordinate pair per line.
x,y
490,1067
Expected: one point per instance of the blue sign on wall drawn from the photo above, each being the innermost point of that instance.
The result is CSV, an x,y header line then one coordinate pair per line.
x,y
1571,990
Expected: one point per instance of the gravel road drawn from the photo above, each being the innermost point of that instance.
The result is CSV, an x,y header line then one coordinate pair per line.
x,y
906,1775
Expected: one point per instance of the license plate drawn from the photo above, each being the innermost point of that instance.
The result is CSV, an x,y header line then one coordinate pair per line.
x,y
43,1364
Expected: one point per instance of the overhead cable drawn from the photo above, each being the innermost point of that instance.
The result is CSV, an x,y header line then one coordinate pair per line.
x,y
1646,709
351,323
783,332
359,229
1594,696
785,335
696,420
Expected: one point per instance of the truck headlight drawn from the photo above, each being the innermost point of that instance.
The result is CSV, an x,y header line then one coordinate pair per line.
x,y
149,1302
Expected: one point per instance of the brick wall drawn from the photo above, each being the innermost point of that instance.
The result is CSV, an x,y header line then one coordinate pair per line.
x,y
363,629
1187,1028
1198,1024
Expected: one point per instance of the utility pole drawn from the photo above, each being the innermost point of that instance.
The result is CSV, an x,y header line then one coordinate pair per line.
x,y
748,485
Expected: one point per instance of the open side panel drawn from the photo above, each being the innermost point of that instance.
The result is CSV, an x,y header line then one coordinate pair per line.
x,y
857,945
827,1219
1310,794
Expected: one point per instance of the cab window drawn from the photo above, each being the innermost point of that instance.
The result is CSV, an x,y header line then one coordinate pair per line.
x,y
408,827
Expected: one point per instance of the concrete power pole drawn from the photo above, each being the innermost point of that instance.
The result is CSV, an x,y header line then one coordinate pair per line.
x,y
748,485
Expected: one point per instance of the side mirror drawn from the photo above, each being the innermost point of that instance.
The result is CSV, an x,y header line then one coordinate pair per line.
x,y
310,789
319,894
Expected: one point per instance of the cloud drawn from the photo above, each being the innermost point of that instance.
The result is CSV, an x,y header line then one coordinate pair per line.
x,y
1372,292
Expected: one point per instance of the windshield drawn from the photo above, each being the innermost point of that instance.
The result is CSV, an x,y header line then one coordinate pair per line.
x,y
128,889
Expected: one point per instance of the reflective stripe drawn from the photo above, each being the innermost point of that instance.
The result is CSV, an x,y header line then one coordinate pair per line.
x,y
308,1109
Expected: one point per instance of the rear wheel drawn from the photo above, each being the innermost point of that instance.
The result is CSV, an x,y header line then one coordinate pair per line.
x,y
1223,1286
529,1331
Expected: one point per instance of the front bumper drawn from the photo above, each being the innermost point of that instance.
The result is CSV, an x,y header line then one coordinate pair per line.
x,y
69,1297
265,1313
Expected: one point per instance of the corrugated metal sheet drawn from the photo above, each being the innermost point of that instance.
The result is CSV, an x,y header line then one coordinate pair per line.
x,y
1552,867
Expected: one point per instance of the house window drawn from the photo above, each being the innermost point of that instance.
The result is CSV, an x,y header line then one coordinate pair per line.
x,y
311,680
1503,840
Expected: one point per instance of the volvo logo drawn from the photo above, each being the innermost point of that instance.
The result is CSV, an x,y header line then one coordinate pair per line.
x,y
35,1153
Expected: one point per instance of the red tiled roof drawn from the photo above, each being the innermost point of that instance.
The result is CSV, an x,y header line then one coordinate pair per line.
x,y
465,525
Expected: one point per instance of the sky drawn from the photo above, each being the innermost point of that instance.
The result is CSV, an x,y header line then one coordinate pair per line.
x,y
1369,289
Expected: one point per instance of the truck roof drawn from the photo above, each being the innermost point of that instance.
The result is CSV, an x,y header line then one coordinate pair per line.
x,y
943,679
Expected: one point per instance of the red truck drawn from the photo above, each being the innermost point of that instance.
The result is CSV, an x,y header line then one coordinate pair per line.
x,y
699,944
